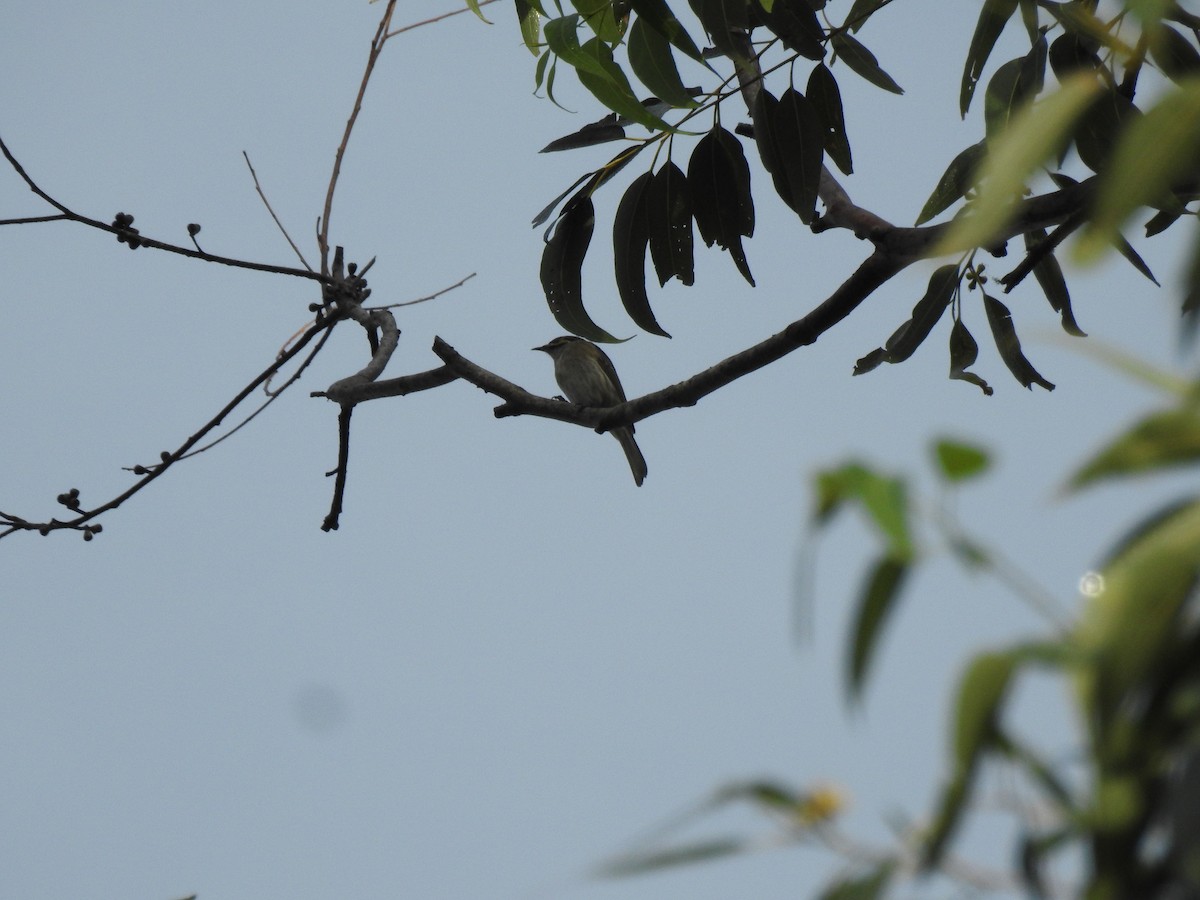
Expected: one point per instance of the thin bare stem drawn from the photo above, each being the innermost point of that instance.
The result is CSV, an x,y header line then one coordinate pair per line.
x,y
453,12
267,204
432,296
377,43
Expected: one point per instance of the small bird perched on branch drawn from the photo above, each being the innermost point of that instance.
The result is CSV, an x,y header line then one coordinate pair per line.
x,y
588,378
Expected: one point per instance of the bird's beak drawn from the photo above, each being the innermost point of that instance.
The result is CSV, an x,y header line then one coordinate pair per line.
x,y
543,349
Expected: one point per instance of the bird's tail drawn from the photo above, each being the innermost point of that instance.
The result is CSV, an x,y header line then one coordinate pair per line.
x,y
637,462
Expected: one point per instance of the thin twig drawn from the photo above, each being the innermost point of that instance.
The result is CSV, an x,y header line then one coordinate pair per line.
x,y
144,241
267,204
377,43
432,296
453,12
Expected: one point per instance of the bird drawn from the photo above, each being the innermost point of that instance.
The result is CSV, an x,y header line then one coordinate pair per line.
x,y
588,378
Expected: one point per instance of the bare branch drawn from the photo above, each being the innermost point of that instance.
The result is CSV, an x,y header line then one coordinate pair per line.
x,y
71,215
267,204
377,43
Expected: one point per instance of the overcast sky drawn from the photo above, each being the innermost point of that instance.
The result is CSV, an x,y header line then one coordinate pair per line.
x,y
509,662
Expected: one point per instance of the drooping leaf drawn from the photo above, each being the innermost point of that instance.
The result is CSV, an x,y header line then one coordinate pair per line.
x,y
1070,52
1000,320
951,804
1162,220
1134,258
1099,127
591,181
530,20
875,604
1049,276
862,61
602,131
631,236
1035,134
721,18
796,24
720,188
611,87
658,16
963,353
943,284
1156,151
954,183
671,225
822,91
653,63
769,150
797,131
473,5
1015,83
561,269
1174,54
1159,441
992,18
957,461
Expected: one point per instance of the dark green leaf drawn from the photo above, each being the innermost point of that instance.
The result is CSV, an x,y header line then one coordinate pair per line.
x,y
1097,130
992,19
875,604
689,854
1174,53
599,132
653,63
958,461
1159,441
720,187
1071,51
1133,258
1015,82
951,804
860,12
797,131
1049,276
631,235
954,183
963,353
561,270
764,116
862,61
720,19
611,87
1162,220
943,284
864,887
1009,345
671,225
871,361
1029,16
826,98
797,26
658,16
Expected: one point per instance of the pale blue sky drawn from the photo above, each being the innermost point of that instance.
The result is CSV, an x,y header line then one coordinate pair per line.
x,y
509,661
